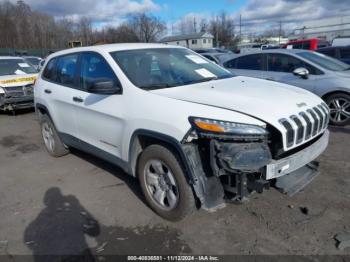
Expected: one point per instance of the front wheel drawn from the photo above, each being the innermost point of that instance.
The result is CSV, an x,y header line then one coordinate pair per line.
x,y
339,107
164,184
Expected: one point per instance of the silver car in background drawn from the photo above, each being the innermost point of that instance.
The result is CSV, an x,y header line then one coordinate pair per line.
x,y
326,77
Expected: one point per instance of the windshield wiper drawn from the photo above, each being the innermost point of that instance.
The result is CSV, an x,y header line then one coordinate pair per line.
x,y
155,86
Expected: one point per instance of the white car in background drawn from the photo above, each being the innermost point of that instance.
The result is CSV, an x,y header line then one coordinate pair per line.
x,y
16,83
34,61
191,132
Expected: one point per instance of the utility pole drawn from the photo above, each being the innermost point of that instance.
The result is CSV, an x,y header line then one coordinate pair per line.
x,y
279,34
240,28
217,32
194,24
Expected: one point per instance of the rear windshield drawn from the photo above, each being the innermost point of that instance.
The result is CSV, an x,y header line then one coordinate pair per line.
x,y
15,67
324,61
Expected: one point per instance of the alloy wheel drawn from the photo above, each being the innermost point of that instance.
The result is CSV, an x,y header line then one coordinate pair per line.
x,y
339,109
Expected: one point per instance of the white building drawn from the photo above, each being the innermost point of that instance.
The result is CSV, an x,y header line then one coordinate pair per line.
x,y
193,41
327,28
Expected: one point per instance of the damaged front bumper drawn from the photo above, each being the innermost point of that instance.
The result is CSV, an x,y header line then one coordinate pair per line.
x,y
14,103
278,168
240,168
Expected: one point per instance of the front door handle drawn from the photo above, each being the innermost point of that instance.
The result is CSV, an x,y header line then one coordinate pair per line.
x,y
270,78
47,91
78,99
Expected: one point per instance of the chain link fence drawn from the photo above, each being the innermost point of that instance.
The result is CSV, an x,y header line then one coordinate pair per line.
x,y
26,52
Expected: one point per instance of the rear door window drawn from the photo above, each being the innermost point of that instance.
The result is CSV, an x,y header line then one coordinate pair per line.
x,y
66,70
249,62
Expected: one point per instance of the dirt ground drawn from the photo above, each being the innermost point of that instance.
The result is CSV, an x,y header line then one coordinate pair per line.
x,y
78,203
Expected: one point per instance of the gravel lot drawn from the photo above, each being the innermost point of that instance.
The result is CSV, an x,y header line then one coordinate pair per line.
x,y
77,202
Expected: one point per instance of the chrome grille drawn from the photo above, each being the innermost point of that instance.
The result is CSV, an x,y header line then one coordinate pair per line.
x,y
306,125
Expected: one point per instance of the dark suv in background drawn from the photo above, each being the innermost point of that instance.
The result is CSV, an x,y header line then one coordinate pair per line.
x,y
339,52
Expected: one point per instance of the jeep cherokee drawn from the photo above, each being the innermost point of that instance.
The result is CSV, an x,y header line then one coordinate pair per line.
x,y
191,132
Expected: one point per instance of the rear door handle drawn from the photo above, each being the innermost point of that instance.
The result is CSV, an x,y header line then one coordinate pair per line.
x,y
78,99
47,91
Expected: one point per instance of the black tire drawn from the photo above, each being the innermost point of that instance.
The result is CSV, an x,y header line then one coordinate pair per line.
x,y
185,203
57,149
342,98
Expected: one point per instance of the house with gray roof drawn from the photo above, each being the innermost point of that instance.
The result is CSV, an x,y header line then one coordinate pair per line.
x,y
194,41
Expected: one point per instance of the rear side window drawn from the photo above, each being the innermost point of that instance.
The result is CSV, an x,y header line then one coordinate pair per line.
x,y
345,53
50,70
94,67
66,69
283,63
249,62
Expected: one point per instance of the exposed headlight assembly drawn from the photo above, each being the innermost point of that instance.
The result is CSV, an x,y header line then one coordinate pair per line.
x,y
210,127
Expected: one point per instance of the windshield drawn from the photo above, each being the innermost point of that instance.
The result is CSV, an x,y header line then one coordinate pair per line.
x,y
167,67
33,61
324,61
15,67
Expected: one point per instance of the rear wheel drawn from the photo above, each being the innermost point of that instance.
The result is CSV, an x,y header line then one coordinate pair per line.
x,y
52,142
164,184
339,106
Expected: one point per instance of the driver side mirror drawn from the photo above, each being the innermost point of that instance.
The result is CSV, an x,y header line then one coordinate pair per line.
x,y
104,87
302,72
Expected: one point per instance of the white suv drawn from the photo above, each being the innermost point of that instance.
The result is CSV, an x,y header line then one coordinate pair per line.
x,y
192,133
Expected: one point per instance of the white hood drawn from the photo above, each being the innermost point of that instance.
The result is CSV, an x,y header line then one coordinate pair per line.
x,y
266,100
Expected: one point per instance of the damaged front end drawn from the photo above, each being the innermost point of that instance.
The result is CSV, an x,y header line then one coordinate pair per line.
x,y
228,162
16,97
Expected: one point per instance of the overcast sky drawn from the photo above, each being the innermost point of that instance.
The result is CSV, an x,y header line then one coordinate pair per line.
x,y
255,13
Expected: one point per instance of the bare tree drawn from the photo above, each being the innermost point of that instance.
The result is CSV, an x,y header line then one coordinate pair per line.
x,y
84,30
23,28
187,25
223,27
147,28
203,25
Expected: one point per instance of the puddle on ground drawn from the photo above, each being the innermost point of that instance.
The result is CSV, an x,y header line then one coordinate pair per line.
x,y
27,148
20,143
11,141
